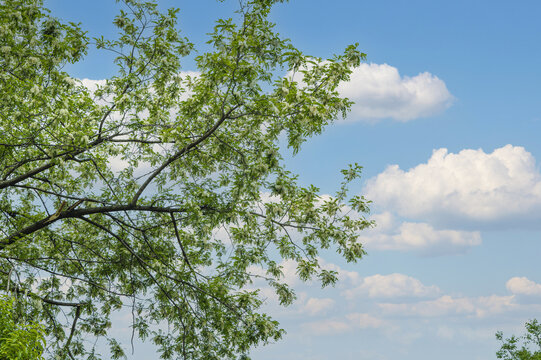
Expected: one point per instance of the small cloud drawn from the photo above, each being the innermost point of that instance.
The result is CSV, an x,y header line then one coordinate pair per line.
x,y
523,286
390,234
391,286
316,306
379,91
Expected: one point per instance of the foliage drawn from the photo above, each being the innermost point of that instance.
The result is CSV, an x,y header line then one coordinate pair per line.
x,y
18,340
162,192
530,349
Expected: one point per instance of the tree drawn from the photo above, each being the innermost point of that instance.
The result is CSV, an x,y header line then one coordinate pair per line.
x,y
160,191
530,348
19,339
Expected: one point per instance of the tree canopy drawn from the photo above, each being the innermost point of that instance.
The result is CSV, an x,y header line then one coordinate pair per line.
x,y
160,191
525,347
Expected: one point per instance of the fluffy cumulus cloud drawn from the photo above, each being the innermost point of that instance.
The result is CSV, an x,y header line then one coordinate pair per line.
x,y
472,186
392,286
379,91
523,286
422,238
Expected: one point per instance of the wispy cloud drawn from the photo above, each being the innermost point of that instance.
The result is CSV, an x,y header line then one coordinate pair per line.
x,y
418,237
393,286
452,306
347,323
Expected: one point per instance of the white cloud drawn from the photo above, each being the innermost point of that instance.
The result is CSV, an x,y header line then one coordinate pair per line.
x,y
348,323
365,321
503,187
289,269
391,286
523,286
315,306
449,306
327,326
389,234
494,304
92,85
380,92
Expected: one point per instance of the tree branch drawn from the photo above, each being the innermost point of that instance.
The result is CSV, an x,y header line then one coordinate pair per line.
x,y
180,242
180,153
77,314
71,212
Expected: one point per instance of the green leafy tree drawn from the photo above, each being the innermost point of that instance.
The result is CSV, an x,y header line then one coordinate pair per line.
x,y
525,347
160,191
19,340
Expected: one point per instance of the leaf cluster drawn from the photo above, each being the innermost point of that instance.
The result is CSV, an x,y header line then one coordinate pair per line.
x,y
19,339
525,347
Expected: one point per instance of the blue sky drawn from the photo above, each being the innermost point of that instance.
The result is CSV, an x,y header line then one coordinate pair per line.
x,y
455,255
